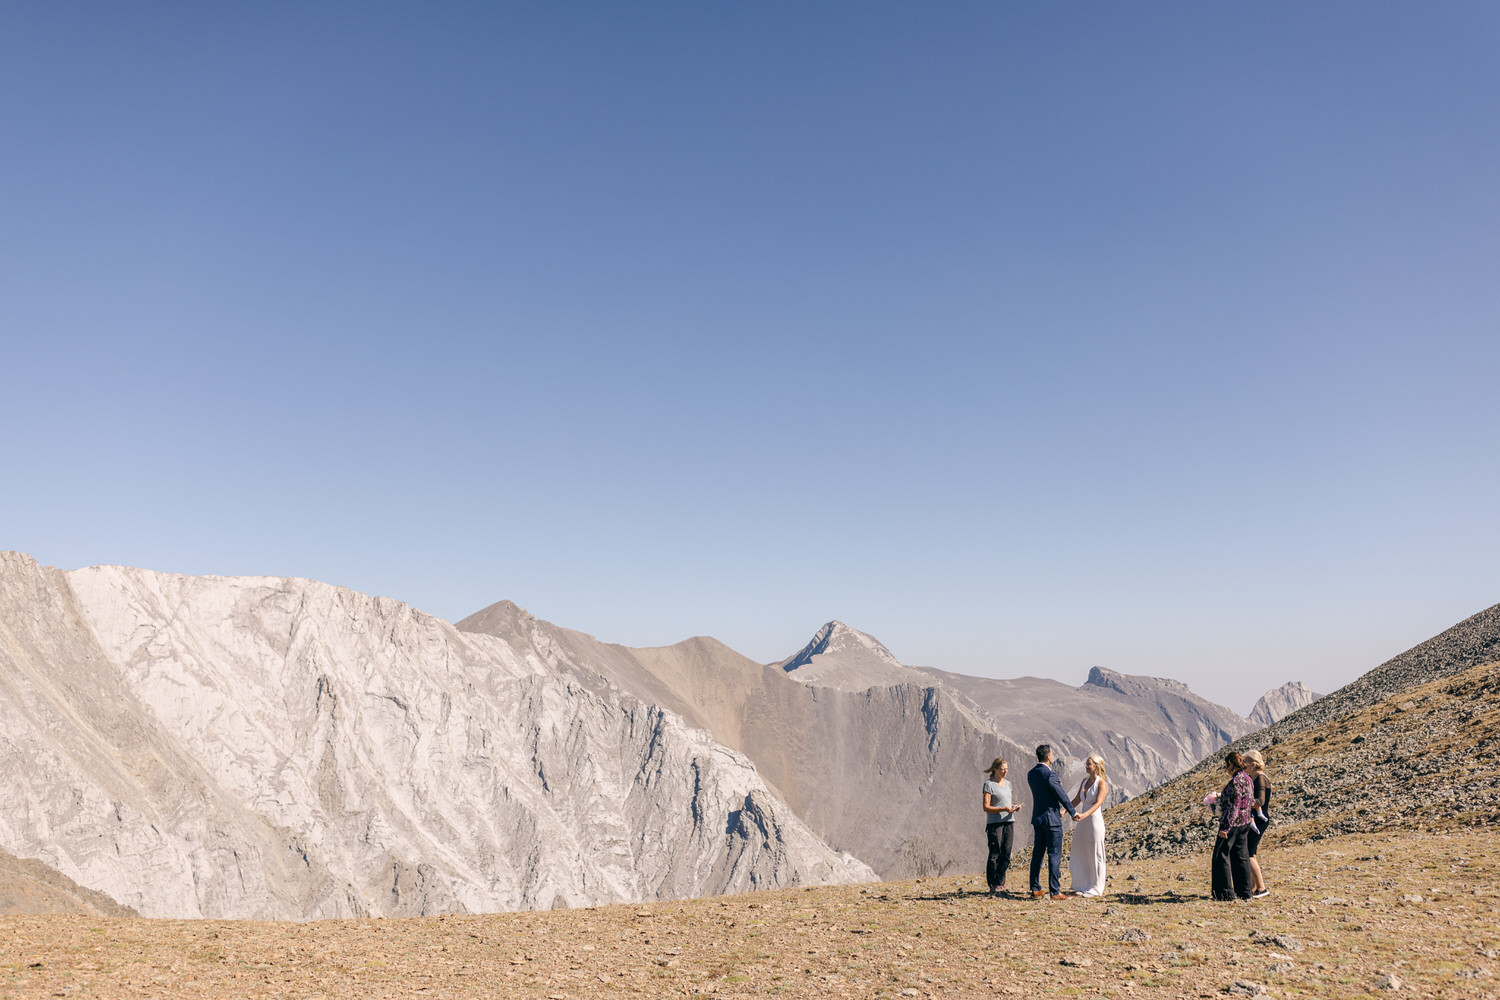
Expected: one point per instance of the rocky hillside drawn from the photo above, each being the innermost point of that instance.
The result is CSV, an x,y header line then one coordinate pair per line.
x,y
27,887
1281,702
1409,745
271,748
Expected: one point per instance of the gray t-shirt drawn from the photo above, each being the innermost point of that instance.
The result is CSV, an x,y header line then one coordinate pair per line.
x,y
999,796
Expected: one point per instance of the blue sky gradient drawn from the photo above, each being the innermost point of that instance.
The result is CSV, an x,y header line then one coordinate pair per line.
x,y
1024,337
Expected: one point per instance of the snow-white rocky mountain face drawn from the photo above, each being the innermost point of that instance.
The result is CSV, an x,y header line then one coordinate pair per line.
x,y
1277,704
273,748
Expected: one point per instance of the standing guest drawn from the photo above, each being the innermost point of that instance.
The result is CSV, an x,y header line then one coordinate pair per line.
x,y
1260,819
1231,862
999,824
1047,801
1086,860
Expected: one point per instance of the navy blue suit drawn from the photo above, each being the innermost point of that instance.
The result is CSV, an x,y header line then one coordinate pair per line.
x,y
1047,802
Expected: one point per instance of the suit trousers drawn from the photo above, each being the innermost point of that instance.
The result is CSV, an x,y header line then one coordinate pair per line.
x,y
1046,840
1231,864
999,836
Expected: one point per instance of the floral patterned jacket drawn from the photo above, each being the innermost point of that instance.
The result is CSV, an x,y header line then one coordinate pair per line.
x,y
1236,801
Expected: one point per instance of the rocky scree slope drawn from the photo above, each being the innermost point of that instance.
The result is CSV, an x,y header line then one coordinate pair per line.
x,y
29,887
1411,743
1421,760
270,748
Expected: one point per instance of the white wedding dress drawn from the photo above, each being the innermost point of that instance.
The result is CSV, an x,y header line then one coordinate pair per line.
x,y
1086,859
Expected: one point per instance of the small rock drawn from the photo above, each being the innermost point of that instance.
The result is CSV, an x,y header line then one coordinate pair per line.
x,y
1334,901
1077,963
1281,967
1411,897
1134,934
1245,988
909,992
1285,942
1387,982
1489,953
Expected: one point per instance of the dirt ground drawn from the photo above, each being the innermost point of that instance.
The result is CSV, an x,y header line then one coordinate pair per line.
x,y
1345,915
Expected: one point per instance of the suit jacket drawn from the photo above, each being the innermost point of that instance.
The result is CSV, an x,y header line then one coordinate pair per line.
x,y
1048,798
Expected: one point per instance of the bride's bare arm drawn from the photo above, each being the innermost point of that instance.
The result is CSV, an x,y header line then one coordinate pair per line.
x,y
1098,802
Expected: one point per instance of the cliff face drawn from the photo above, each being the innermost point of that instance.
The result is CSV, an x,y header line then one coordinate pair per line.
x,y
270,748
888,772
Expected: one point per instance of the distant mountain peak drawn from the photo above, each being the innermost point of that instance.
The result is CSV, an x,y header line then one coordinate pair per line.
x,y
836,638
1277,704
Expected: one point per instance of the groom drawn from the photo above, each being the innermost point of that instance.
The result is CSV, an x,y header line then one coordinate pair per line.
x,y
1047,798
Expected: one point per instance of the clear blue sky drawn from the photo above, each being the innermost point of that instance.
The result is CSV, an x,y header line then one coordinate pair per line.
x,y
1025,337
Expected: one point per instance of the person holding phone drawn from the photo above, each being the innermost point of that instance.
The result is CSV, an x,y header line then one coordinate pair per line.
x,y
999,824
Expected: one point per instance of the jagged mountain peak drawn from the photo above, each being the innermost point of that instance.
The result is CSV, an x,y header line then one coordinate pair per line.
x,y
846,658
837,638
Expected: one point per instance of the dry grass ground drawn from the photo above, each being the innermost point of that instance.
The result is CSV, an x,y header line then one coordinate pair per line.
x,y
1346,911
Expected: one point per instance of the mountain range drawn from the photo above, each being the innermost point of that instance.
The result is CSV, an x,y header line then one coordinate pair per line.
x,y
280,748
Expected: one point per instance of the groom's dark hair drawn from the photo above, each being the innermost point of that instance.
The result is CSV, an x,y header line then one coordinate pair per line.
x,y
1042,752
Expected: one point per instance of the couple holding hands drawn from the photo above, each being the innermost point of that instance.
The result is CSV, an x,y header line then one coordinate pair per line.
x,y
1048,801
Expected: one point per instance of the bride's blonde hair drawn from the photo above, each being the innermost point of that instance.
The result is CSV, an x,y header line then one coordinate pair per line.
x,y
1099,764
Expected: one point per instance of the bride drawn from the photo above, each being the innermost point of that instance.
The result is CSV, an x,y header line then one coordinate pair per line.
x,y
1086,859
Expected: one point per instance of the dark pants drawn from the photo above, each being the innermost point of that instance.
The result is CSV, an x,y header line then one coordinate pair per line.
x,y
1046,840
1252,839
1231,871
999,836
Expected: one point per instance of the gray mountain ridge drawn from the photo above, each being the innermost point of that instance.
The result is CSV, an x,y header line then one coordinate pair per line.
x,y
1147,728
889,773
271,749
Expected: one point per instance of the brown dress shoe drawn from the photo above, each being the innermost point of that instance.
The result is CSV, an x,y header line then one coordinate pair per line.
x,y
1060,895
1038,894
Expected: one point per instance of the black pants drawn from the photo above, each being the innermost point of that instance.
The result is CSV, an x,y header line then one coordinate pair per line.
x,y
1252,839
1046,840
999,836
1231,871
